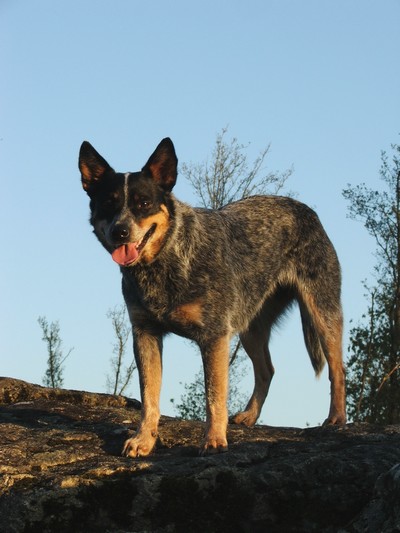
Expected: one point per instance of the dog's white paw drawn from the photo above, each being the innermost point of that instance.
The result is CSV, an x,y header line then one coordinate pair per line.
x,y
245,418
336,419
139,446
213,445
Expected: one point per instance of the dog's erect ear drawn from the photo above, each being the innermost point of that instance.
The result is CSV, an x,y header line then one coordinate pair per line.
x,y
91,165
163,164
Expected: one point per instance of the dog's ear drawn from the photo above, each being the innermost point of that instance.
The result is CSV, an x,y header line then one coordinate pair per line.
x,y
91,165
163,164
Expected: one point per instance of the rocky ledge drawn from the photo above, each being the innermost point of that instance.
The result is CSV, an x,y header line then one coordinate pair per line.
x,y
60,470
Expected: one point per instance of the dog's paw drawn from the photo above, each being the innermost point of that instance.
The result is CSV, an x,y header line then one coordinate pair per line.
x,y
245,418
139,446
213,445
336,419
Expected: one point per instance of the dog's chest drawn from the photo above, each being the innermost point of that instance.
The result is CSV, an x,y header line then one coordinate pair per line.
x,y
170,303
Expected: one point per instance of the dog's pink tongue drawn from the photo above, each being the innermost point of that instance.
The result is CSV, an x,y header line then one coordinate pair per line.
x,y
125,254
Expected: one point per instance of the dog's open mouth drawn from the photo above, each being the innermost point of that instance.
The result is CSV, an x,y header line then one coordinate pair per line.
x,y
128,253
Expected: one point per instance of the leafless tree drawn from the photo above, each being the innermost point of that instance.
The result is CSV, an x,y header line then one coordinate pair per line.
x,y
55,360
229,176
120,377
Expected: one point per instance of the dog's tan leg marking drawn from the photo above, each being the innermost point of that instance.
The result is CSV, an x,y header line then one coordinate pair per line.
x,y
337,410
148,360
329,329
191,313
216,367
255,342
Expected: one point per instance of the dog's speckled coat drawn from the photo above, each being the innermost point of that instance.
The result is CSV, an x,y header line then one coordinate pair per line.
x,y
208,274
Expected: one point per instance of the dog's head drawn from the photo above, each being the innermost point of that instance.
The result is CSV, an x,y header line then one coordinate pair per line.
x,y
130,213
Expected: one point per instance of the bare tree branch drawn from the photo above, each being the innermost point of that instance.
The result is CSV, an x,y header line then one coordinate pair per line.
x,y
120,377
51,336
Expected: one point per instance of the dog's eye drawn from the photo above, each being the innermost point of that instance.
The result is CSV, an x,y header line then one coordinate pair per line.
x,y
144,204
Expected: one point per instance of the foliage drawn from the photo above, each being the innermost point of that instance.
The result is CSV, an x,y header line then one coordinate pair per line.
x,y
51,336
120,377
192,405
227,177
369,392
374,363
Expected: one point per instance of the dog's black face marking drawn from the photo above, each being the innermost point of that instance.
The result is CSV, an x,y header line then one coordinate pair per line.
x,y
107,196
144,196
133,192
132,209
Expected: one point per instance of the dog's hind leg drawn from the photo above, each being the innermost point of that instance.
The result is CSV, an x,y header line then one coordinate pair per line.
x,y
322,327
255,342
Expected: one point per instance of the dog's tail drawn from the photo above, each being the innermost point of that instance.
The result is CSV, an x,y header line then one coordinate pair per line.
x,y
312,340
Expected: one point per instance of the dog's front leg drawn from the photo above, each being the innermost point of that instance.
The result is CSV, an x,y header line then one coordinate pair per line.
x,y
147,349
216,365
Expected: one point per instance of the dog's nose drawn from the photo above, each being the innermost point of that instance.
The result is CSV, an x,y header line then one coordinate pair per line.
x,y
120,232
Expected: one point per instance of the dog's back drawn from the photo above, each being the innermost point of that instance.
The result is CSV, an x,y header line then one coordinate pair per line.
x,y
245,252
275,242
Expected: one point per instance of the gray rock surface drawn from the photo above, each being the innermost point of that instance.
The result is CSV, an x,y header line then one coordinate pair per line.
x,y
60,470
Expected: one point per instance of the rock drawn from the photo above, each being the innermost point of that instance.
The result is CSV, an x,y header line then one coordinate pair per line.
x,y
383,512
60,470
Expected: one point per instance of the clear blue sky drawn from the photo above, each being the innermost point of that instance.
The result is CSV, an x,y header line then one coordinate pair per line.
x,y
318,79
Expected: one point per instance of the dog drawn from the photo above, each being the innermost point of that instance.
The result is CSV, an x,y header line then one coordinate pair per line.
x,y
209,274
